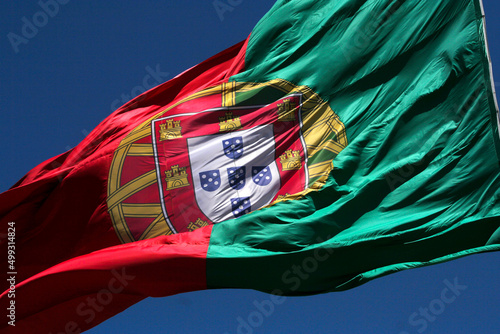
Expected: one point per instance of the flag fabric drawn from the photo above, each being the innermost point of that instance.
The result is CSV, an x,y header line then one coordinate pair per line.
x,y
342,141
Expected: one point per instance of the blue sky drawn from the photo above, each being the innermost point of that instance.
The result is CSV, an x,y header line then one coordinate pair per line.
x,y
90,57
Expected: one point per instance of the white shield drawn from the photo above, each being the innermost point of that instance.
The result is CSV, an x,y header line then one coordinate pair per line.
x,y
208,156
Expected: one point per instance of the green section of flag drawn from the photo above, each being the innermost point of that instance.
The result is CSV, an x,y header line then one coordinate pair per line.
x,y
419,181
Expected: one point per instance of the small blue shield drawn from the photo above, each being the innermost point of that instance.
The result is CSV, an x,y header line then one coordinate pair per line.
x,y
262,175
236,177
233,147
241,206
210,180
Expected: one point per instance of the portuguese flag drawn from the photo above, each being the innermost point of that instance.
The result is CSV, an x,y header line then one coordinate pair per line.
x,y
344,140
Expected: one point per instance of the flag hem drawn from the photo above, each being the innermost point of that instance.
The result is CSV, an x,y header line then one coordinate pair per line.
x,y
488,68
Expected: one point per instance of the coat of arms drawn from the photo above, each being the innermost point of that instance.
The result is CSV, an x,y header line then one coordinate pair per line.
x,y
211,159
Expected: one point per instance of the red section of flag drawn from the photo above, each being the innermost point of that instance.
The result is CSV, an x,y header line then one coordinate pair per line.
x,y
60,213
80,293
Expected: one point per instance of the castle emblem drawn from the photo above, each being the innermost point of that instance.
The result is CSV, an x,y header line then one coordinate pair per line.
x,y
197,224
170,130
290,160
286,111
176,177
229,123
